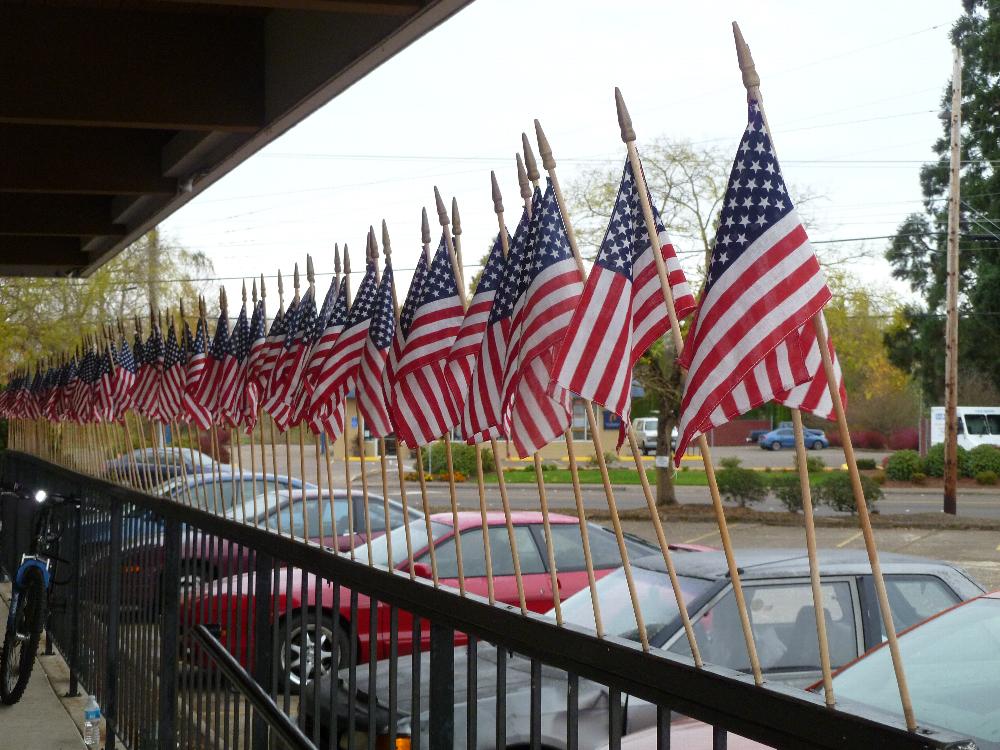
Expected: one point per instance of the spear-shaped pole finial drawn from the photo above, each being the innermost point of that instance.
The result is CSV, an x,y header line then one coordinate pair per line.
x,y
223,302
456,220
386,246
548,161
336,258
295,280
442,211
750,78
347,261
253,292
624,119
529,159
310,272
281,291
425,228
372,245
497,197
244,291
522,179
180,304
263,291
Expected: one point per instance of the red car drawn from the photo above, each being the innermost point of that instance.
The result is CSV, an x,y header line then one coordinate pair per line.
x,y
234,597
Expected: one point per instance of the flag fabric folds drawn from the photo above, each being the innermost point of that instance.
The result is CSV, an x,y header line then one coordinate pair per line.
x,y
764,284
622,311
813,396
422,406
371,394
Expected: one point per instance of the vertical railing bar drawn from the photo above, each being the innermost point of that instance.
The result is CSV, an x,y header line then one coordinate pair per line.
x,y
286,630
263,646
226,622
372,666
110,698
74,615
303,639
217,676
471,692
234,635
415,687
536,705
572,711
501,712
720,738
318,657
334,694
662,728
614,719
393,672
442,692
169,630
352,672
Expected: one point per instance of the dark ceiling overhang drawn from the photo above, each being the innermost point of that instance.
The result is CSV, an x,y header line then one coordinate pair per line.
x,y
115,113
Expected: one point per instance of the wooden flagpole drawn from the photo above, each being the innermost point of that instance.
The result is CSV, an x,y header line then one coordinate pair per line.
x,y
329,443
383,460
387,249
449,243
549,163
752,84
253,454
345,437
628,137
273,440
373,262
311,279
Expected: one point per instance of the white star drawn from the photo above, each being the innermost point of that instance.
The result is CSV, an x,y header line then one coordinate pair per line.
x,y
729,221
744,146
770,167
764,202
747,202
755,166
724,239
780,205
732,202
744,220
742,239
759,148
723,257
767,185
761,221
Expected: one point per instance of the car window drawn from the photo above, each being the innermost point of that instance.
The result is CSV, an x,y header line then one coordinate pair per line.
x,y
915,598
976,424
376,515
568,547
994,422
783,621
474,558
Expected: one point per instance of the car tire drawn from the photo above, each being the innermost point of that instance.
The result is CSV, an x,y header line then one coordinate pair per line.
x,y
776,445
333,639
817,445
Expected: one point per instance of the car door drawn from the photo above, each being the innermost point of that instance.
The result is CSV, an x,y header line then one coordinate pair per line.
x,y
783,621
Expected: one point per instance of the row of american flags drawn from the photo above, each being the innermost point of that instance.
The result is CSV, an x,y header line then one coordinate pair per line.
x,y
537,333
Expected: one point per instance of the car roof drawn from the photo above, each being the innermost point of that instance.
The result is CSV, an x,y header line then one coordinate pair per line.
x,y
779,563
468,519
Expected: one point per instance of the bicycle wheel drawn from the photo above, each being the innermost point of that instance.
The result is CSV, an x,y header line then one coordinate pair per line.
x,y
21,641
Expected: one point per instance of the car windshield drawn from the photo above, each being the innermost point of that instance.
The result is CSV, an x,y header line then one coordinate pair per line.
x,y
952,667
418,538
656,602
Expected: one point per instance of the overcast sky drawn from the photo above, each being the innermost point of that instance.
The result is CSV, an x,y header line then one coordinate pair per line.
x,y
851,91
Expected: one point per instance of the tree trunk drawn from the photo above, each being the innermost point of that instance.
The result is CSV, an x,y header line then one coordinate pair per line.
x,y
665,492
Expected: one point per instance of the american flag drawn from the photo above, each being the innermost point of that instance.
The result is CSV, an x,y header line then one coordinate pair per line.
x,y
329,330
422,406
148,385
197,373
82,397
814,395
104,388
339,370
538,413
257,336
764,283
172,380
291,361
329,418
125,372
622,311
309,369
70,381
273,346
370,390
215,366
461,361
232,383
406,314
482,415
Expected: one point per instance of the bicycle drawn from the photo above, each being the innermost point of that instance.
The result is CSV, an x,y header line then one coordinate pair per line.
x,y
29,596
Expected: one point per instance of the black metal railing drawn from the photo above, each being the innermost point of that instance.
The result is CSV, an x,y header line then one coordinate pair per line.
x,y
196,631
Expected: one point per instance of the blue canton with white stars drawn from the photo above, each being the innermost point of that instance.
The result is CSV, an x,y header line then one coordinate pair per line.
x,y
198,344
125,358
220,344
338,315
489,280
626,237
361,310
154,346
239,339
440,281
257,332
412,300
171,351
305,320
323,318
383,327
755,199
548,240
509,288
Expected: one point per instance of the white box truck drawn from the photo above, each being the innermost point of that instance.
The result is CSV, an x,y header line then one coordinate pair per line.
x,y
977,425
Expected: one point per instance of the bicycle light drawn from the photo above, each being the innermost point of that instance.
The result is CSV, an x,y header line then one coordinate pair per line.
x,y
40,496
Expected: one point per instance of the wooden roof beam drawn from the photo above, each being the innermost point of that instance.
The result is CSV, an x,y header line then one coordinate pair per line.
x,y
358,7
40,256
57,216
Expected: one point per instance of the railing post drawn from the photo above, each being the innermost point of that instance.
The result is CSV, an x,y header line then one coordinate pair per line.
x,y
442,697
113,614
170,624
261,642
74,615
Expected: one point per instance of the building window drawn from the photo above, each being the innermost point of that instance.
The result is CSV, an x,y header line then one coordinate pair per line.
x,y
581,430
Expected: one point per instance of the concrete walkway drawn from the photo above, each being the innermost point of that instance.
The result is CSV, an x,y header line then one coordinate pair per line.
x,y
38,721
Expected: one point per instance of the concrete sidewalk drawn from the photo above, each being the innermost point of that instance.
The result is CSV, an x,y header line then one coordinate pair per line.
x,y
38,721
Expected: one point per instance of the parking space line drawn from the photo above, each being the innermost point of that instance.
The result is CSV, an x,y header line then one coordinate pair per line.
x,y
698,538
849,539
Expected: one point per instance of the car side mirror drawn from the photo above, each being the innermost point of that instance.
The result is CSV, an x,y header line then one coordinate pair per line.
x,y
422,570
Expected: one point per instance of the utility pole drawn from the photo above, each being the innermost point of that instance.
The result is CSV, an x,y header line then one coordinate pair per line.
x,y
951,324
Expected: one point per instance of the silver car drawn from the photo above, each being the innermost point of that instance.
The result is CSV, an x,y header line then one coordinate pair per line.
x,y
778,594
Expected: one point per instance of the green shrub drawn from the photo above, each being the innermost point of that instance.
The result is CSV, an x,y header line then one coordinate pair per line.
x,y
743,486
919,478
610,458
986,477
836,492
788,490
984,458
463,459
815,463
730,462
879,477
902,465
934,463
866,464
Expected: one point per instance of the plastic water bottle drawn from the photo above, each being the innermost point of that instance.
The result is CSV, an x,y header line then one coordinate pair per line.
x,y
92,723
